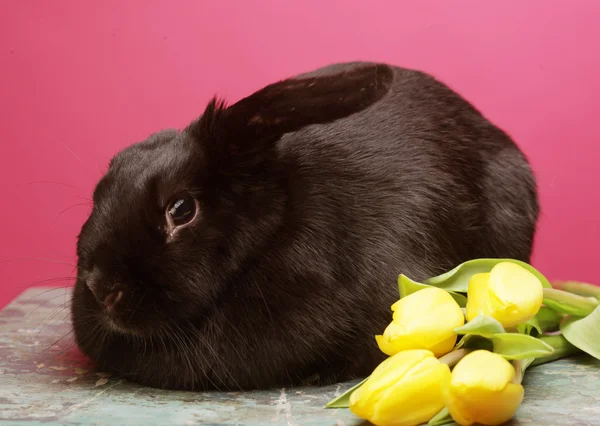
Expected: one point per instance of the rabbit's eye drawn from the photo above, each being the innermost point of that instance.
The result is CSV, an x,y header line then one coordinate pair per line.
x,y
181,211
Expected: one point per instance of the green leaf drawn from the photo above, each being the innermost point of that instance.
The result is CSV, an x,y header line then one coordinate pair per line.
x,y
441,418
472,341
525,363
531,327
343,401
520,346
407,286
462,341
569,303
458,278
584,333
548,320
481,325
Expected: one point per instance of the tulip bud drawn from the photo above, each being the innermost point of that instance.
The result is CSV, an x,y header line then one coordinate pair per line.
x,y
404,390
481,390
509,293
425,319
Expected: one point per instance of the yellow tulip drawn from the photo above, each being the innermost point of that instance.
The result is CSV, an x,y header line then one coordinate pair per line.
x,y
480,390
425,319
404,390
509,293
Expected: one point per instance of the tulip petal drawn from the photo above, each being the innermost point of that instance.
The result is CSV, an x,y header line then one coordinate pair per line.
x,y
423,320
444,346
395,339
360,404
480,390
477,296
482,370
392,344
458,409
509,293
384,376
499,410
388,396
492,408
515,294
415,399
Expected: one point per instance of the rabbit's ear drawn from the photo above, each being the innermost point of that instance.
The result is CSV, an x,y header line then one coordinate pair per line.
x,y
255,122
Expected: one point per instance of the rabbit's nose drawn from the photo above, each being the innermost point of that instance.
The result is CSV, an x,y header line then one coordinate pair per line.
x,y
112,298
106,294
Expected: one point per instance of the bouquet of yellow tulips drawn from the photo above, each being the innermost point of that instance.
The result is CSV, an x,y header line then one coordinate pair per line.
x,y
459,344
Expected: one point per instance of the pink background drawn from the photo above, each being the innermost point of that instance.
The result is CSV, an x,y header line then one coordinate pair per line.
x,y
81,80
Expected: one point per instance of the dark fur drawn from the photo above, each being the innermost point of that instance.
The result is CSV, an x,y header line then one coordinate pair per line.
x,y
315,194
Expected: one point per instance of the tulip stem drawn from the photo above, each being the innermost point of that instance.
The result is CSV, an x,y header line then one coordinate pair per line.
x,y
562,349
569,303
581,289
518,378
452,358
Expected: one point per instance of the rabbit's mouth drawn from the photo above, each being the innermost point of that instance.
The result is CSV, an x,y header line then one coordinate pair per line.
x,y
114,310
117,324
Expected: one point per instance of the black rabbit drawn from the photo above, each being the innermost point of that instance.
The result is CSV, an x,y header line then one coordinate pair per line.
x,y
261,245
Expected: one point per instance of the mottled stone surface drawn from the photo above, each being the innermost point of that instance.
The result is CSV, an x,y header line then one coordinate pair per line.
x,y
44,379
